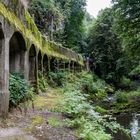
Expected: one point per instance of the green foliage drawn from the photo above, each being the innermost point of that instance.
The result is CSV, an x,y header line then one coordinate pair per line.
x,y
42,82
121,97
91,85
89,124
58,20
19,90
125,81
56,78
125,96
54,122
48,15
101,110
105,47
74,29
135,72
126,25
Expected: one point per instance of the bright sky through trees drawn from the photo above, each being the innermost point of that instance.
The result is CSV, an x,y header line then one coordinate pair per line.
x,y
94,6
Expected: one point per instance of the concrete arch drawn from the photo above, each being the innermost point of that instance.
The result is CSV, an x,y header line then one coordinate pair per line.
x,y
33,64
17,51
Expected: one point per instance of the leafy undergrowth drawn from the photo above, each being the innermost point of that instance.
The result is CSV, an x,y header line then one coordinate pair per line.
x,y
68,111
126,101
77,105
19,89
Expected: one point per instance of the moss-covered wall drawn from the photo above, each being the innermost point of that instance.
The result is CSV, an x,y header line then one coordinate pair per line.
x,y
23,22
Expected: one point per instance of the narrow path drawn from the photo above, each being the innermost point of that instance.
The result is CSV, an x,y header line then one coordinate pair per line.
x,y
41,123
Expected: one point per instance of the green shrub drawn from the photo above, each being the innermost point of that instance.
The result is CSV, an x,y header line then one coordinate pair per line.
x,y
90,124
91,85
56,78
121,97
125,81
19,89
42,82
135,71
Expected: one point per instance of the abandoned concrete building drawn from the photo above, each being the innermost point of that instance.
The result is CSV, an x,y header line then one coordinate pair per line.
x,y
23,49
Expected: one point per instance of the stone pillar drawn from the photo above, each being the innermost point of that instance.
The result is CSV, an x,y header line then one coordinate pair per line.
x,y
4,77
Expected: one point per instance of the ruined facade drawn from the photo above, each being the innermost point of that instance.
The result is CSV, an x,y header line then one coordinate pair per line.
x,y
23,49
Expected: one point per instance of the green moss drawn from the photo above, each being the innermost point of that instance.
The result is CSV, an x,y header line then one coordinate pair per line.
x,y
54,122
37,120
30,32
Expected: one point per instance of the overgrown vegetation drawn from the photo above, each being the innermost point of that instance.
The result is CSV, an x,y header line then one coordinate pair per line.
x,y
19,90
77,106
42,82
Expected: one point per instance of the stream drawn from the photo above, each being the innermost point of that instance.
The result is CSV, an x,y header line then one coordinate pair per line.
x,y
130,121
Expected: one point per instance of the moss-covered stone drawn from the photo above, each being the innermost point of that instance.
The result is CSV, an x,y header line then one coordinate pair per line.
x,y
30,32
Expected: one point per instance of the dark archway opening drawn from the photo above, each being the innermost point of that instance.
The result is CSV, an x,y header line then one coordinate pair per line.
x,y
17,53
40,61
45,65
32,65
53,64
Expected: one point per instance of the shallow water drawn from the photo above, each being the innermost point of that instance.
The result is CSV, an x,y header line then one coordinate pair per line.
x,y
131,122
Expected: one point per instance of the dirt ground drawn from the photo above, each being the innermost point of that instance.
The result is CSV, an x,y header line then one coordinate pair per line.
x,y
38,121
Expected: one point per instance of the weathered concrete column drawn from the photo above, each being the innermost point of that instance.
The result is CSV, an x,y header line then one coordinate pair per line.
x,y
4,76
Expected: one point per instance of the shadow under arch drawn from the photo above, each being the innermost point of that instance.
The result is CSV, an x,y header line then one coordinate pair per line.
x,y
40,65
32,65
17,49
45,65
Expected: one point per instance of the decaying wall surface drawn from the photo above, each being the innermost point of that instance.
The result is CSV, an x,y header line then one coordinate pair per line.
x,y
15,13
23,49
